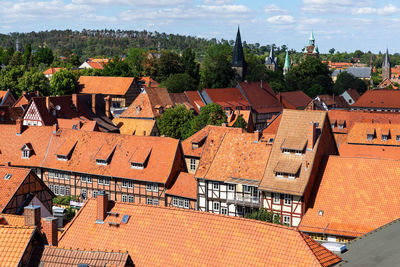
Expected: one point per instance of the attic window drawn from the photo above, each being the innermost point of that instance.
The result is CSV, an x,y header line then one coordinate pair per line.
x,y
105,153
7,176
138,166
397,137
385,137
287,169
140,157
333,124
342,124
370,137
64,152
26,151
101,162
320,212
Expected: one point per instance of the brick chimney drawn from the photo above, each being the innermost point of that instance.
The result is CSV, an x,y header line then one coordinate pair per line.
x,y
94,103
50,230
311,132
19,126
48,103
107,109
32,216
75,101
102,206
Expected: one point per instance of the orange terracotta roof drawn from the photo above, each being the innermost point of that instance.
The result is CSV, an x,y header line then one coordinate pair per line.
x,y
299,120
157,235
261,97
14,241
51,71
294,99
13,220
239,156
367,151
214,132
180,99
77,124
3,94
334,101
384,99
354,94
226,97
149,82
100,60
24,99
272,128
105,85
358,134
184,186
195,100
96,65
131,126
234,115
10,186
355,196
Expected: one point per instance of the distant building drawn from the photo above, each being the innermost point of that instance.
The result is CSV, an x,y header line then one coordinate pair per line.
x,y
50,72
311,49
351,96
386,67
6,98
271,62
363,73
378,100
286,66
238,62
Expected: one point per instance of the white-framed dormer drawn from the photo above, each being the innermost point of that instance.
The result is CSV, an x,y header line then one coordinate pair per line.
x,y
26,151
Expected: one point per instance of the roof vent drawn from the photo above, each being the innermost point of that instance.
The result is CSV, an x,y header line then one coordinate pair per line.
x,y
113,224
7,176
320,212
113,213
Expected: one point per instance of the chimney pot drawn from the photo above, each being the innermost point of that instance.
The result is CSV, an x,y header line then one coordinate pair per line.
x,y
50,230
94,103
19,126
32,216
311,135
75,101
107,109
102,206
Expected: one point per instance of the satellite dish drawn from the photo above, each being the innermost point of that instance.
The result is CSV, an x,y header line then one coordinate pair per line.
x,y
58,107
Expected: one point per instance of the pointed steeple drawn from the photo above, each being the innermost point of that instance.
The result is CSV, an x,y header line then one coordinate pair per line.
x,y
271,54
238,55
386,61
286,66
311,40
386,67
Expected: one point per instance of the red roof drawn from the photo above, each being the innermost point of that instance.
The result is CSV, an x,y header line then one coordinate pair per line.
x,y
195,100
294,99
227,97
261,97
9,187
51,71
385,99
105,85
184,186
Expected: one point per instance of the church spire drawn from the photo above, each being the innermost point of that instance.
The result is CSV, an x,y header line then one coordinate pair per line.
x,y
286,66
311,40
386,61
238,55
386,67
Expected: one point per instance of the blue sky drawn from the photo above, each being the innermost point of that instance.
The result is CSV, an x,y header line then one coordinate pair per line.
x,y
345,25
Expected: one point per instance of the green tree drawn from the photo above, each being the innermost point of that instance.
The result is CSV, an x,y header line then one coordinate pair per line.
x,y
265,216
168,64
332,51
63,82
117,67
9,78
33,81
240,123
135,59
16,59
189,64
211,114
74,60
216,71
178,83
43,55
308,73
175,122
27,55
346,81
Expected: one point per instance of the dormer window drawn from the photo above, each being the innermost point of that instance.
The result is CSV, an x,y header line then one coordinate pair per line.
x,y
398,138
140,157
101,162
293,145
137,166
370,137
370,134
287,169
385,137
342,124
333,123
103,157
64,152
25,154
26,151
7,176
385,134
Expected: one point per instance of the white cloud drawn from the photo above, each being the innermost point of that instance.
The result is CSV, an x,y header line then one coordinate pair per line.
x,y
385,10
281,19
333,6
132,2
274,9
218,2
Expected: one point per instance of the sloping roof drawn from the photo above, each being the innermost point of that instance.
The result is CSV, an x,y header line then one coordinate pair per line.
x,y
170,236
376,248
214,132
227,97
195,100
13,243
239,155
148,82
13,220
359,72
133,126
180,99
385,99
104,85
334,101
368,151
356,196
51,71
184,186
9,187
299,120
9,115
96,65
358,134
233,115
353,94
55,256
24,99
238,55
261,97
294,99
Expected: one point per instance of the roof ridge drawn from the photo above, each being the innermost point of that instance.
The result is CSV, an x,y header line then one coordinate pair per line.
x,y
17,226
73,220
86,250
305,236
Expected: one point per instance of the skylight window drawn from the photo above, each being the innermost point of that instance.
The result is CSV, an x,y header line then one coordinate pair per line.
x,y
7,176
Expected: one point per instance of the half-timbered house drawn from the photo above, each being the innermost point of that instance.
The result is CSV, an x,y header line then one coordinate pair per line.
x,y
302,139
229,173
6,98
21,187
183,192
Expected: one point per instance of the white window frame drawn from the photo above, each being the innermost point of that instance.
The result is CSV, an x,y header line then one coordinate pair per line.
x,y
175,201
26,153
192,164
101,162
224,210
180,203
84,193
149,201
137,166
124,198
246,189
231,187
186,204
276,198
67,191
156,202
215,185
124,183
153,187
86,179
287,199
286,219
385,137
216,206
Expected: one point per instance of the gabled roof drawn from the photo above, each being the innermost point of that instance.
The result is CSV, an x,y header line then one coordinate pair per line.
x,y
261,96
385,99
358,134
157,235
105,85
294,99
132,126
55,256
238,155
368,151
353,94
180,99
226,97
10,186
355,196
51,71
184,186
195,100
214,132
299,120
14,241
24,99
148,82
12,219
359,72
333,101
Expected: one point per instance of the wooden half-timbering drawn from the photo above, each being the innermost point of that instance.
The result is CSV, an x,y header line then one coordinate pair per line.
x,y
118,189
31,187
32,116
288,207
180,202
232,199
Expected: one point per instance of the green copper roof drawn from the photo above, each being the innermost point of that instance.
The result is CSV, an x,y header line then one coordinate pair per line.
x,y
287,63
312,36
316,51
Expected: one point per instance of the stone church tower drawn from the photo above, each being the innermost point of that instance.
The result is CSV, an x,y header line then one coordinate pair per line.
x,y
386,67
271,62
238,62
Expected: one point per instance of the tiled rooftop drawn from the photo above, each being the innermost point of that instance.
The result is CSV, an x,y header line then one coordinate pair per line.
x,y
105,85
184,186
8,187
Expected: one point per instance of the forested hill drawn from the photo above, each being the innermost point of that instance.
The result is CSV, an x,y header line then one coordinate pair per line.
x,y
108,43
